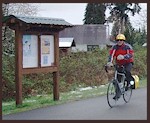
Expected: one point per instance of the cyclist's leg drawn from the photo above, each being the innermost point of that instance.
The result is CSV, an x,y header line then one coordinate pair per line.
x,y
129,77
118,93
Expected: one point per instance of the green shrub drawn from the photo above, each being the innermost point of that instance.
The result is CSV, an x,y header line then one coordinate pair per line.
x,y
140,61
8,76
76,69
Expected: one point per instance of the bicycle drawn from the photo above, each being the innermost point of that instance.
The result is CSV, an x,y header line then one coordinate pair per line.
x,y
118,86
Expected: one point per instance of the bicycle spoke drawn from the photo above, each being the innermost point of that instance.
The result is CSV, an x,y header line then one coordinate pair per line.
x,y
127,95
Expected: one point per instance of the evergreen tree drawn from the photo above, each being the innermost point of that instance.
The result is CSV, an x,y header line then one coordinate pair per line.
x,y
119,12
95,13
115,29
140,37
129,33
144,36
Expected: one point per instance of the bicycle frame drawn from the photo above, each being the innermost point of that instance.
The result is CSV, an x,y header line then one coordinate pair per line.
x,y
123,77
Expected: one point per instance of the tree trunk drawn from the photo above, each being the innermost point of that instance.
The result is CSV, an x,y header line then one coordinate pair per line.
x,y
122,25
120,29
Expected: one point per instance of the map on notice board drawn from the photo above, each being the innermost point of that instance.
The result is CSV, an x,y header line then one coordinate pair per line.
x,y
46,47
30,51
47,50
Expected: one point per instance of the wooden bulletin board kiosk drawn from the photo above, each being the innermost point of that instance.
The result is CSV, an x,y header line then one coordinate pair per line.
x,y
36,48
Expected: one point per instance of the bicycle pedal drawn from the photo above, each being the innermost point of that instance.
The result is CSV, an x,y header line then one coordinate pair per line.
x,y
116,97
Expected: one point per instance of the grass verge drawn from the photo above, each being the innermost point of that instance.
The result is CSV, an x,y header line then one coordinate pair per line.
x,y
47,100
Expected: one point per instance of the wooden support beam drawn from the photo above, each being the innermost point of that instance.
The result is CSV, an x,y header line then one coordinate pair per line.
x,y
39,70
39,52
56,86
56,62
18,67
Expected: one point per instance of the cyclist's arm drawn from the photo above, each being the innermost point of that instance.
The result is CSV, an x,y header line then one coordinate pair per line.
x,y
112,54
129,54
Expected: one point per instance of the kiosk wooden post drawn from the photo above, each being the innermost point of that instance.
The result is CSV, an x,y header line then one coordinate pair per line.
x,y
18,67
56,74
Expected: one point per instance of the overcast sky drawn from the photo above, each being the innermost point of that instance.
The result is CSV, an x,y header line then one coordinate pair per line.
x,y
74,12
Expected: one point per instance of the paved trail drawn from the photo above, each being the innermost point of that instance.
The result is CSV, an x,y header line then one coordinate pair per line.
x,y
90,109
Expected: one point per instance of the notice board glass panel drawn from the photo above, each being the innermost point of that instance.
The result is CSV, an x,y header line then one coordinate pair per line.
x,y
30,51
47,50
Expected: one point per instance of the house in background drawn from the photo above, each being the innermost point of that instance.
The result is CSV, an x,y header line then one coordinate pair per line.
x,y
87,37
66,45
110,44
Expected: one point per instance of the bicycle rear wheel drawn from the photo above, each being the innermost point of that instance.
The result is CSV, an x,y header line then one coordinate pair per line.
x,y
111,92
127,94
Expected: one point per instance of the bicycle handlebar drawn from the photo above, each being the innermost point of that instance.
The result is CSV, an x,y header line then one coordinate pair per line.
x,y
106,68
116,66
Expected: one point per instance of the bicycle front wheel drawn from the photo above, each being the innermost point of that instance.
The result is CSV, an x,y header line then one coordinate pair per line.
x,y
127,94
111,92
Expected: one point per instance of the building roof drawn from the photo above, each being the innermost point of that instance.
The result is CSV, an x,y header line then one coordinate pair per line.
x,y
110,43
38,20
90,34
66,42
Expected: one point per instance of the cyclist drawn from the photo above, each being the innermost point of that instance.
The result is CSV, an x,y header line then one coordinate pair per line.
x,y
123,55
